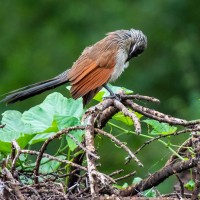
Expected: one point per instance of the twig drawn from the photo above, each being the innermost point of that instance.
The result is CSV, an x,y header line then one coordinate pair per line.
x,y
27,187
158,177
163,136
158,115
181,150
16,147
13,183
196,145
126,176
119,143
82,147
140,97
44,146
130,114
116,172
32,152
181,185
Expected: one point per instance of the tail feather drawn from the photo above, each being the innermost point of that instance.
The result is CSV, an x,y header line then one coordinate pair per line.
x,y
34,89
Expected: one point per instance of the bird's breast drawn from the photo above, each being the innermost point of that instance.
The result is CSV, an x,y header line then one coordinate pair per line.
x,y
120,65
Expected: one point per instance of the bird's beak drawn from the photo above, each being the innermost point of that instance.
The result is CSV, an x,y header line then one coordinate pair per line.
x,y
132,50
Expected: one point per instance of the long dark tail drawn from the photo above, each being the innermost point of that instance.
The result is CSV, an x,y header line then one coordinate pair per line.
x,y
34,89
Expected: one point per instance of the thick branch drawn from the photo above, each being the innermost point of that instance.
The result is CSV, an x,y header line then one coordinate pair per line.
x,y
158,177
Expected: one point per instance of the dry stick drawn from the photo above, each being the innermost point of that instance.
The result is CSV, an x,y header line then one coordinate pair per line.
x,y
163,136
32,152
44,146
91,164
196,145
158,177
82,147
106,115
140,97
130,114
122,145
181,150
16,147
13,183
116,172
32,190
181,185
158,115
100,107
126,176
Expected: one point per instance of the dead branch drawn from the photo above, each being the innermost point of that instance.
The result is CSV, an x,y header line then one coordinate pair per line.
x,y
91,162
167,135
45,144
126,176
196,145
140,97
130,114
32,152
94,119
121,145
158,177
158,115
12,183
15,147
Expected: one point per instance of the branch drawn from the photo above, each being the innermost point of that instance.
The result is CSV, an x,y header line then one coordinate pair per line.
x,y
13,183
121,145
45,144
167,135
91,162
140,97
158,177
32,152
130,114
158,115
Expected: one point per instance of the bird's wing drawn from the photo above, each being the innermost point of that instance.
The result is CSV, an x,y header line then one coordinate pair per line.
x,y
91,71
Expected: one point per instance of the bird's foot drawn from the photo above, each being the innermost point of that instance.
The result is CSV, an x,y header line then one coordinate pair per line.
x,y
113,96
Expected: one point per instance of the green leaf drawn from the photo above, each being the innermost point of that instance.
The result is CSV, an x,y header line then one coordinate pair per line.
x,y
104,93
49,166
41,116
15,129
66,121
14,123
190,185
125,185
6,139
136,180
41,137
150,193
160,128
125,119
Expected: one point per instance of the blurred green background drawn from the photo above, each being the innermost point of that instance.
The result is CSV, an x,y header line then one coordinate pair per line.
x,y
40,39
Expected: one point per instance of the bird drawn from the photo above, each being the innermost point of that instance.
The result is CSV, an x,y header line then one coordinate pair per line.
x,y
97,65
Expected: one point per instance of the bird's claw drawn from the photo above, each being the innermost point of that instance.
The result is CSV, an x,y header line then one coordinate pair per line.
x,y
114,96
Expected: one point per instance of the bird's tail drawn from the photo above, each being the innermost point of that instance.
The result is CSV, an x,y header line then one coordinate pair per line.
x,y
34,89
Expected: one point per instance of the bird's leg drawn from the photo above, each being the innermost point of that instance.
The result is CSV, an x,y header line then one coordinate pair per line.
x,y
112,94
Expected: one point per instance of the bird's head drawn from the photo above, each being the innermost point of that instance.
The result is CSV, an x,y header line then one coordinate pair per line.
x,y
132,41
138,43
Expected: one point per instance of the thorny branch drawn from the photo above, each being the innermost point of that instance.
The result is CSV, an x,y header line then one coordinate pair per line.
x,y
96,183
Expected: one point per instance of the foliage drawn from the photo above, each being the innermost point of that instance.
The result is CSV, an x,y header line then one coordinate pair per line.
x,y
56,113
